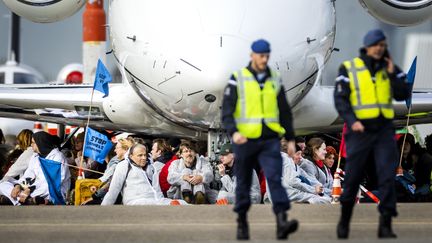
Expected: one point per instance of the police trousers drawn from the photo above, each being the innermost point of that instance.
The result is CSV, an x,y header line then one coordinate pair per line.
x,y
266,152
382,144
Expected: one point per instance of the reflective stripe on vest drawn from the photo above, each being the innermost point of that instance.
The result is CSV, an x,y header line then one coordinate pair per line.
x,y
255,105
369,99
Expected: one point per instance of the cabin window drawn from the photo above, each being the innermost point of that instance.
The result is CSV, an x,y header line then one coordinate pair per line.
x,y
26,78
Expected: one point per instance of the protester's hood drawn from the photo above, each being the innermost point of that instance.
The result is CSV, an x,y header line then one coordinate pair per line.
x,y
45,142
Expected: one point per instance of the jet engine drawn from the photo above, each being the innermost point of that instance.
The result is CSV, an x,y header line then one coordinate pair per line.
x,y
44,11
399,12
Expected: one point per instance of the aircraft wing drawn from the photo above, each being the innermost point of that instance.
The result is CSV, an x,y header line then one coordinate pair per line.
x,y
316,112
122,110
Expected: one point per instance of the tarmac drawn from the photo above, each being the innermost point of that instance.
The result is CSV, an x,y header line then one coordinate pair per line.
x,y
209,223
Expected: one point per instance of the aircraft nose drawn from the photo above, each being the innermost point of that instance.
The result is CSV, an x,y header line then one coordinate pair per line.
x,y
213,63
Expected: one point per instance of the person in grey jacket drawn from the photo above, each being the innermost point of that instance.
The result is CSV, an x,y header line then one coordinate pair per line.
x,y
121,149
229,181
190,176
313,163
301,187
134,177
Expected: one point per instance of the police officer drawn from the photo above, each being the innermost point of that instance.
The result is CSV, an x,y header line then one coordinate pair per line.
x,y
363,97
256,114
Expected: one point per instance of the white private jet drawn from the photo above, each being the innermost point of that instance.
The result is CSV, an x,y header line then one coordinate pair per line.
x,y
176,56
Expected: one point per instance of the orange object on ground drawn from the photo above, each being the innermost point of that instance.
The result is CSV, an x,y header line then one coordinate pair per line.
x,y
337,188
222,201
174,203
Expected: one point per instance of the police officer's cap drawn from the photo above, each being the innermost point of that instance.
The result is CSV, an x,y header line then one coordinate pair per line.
x,y
261,46
373,37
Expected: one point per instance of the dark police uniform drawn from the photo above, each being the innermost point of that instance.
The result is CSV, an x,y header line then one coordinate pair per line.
x,y
256,111
364,93
264,150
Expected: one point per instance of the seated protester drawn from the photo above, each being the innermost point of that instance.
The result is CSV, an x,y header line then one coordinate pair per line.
x,y
32,187
78,145
87,163
77,151
313,163
135,178
408,156
328,164
17,169
299,185
406,181
174,144
74,156
5,150
416,160
301,142
161,153
121,149
414,183
423,170
190,176
228,178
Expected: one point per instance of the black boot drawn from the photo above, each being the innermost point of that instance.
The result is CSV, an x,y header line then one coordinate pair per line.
x,y
187,196
284,227
242,227
385,227
344,221
5,201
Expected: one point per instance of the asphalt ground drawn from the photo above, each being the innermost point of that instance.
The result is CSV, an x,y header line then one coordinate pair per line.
x,y
210,223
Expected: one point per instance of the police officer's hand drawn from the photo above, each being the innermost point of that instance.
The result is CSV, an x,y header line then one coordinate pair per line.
x,y
238,138
357,127
390,65
291,148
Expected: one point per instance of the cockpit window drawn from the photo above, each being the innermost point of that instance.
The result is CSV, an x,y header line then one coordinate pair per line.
x,y
2,78
26,78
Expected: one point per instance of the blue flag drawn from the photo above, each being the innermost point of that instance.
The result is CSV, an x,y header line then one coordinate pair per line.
x,y
52,172
410,80
97,145
102,78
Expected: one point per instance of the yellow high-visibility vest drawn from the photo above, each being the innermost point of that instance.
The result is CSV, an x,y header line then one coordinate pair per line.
x,y
369,99
255,105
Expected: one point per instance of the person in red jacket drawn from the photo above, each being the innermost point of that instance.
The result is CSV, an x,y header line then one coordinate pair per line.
x,y
163,175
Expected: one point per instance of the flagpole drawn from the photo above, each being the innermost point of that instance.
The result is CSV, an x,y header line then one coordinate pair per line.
x,y
410,78
85,134
84,169
76,167
341,147
405,135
